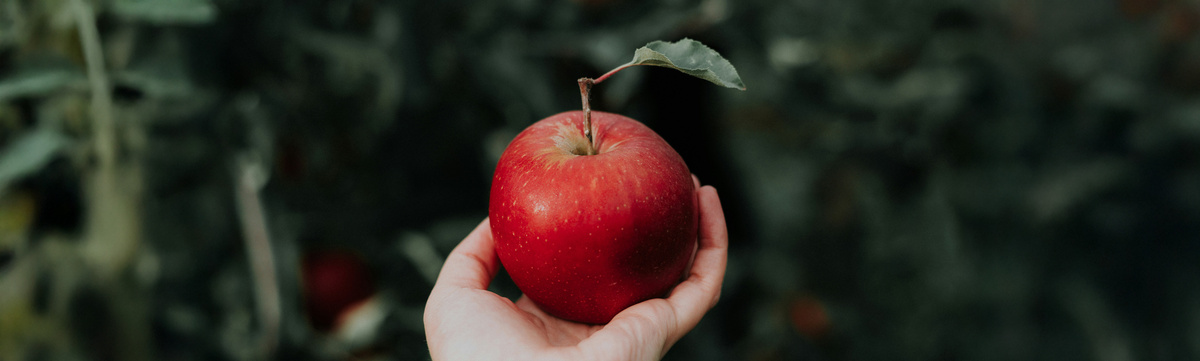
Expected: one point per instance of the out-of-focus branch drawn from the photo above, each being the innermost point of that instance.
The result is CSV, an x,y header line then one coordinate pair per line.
x,y
104,129
114,210
249,178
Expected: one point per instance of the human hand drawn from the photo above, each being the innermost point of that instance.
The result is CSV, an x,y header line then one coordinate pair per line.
x,y
465,321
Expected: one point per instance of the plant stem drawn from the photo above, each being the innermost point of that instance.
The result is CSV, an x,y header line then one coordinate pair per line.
x,y
585,89
104,129
249,178
611,72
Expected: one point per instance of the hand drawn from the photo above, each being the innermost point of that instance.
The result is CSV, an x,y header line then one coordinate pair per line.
x,y
465,321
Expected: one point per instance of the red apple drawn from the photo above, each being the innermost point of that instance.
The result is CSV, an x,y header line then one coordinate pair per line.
x,y
586,236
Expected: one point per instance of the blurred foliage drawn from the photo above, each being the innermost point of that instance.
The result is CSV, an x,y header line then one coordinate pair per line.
x,y
967,180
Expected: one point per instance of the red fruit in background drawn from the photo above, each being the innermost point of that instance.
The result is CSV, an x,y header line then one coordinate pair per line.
x,y
810,317
334,282
586,236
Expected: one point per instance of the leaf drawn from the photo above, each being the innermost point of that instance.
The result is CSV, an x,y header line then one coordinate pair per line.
x,y
167,12
28,154
691,57
34,83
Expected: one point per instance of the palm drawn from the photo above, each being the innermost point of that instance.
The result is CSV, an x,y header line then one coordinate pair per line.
x,y
559,332
525,319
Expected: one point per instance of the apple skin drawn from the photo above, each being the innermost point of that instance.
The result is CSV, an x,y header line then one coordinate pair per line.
x,y
586,236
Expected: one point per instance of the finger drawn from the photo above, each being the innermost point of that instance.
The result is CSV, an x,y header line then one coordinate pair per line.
x,y
692,298
695,246
473,263
639,332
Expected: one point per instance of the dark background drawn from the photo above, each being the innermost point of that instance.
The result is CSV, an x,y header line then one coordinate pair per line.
x,y
903,180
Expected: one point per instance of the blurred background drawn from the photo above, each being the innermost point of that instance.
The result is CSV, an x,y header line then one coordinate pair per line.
x,y
271,179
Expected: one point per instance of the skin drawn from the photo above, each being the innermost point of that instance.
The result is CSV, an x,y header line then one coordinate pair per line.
x,y
465,321
586,236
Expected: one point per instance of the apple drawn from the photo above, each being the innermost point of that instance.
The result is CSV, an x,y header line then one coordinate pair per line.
x,y
591,216
593,213
336,283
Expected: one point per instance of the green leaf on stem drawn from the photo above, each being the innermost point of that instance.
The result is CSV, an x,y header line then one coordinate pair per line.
x,y
691,57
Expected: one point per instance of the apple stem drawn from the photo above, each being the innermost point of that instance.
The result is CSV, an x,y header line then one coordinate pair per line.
x,y
611,72
585,89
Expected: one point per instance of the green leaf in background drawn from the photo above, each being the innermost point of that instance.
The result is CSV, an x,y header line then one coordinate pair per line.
x,y
167,12
34,83
28,154
691,57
